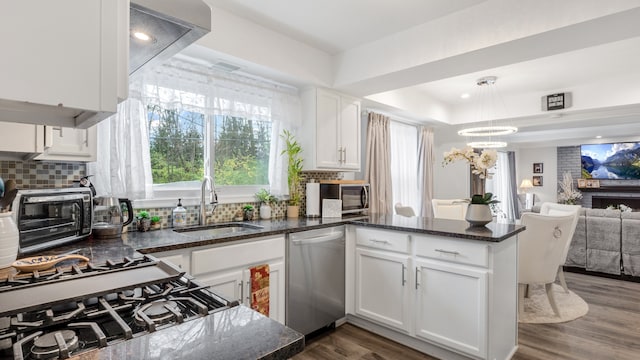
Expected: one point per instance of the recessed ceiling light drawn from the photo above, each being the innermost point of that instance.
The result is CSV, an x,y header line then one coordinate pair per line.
x,y
465,96
141,36
599,137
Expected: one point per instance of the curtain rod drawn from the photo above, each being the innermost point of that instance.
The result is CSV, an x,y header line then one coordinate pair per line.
x,y
394,117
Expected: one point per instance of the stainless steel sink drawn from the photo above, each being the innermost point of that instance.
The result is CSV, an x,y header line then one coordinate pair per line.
x,y
218,229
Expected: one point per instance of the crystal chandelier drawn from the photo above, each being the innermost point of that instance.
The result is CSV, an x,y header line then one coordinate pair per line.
x,y
490,130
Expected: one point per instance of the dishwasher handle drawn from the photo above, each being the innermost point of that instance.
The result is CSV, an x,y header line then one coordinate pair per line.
x,y
317,239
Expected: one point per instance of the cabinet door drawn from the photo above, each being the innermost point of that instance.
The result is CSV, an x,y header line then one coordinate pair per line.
x,y
451,307
382,288
276,290
327,122
350,133
232,285
21,138
69,144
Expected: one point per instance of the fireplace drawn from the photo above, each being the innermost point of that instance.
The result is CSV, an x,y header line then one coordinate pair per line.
x,y
601,202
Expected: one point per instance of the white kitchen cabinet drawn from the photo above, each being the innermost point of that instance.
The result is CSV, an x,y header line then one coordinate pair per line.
x,y
20,140
69,144
451,306
377,270
331,140
181,258
226,268
64,63
445,296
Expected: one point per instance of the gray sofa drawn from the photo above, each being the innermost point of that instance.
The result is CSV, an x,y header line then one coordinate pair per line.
x,y
606,241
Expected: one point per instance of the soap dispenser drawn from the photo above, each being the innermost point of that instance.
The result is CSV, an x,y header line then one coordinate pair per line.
x,y
179,215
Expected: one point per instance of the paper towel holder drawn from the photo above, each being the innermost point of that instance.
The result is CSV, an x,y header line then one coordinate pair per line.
x,y
313,199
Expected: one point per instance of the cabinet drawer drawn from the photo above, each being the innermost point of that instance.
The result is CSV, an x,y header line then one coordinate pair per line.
x,y
381,239
459,251
231,256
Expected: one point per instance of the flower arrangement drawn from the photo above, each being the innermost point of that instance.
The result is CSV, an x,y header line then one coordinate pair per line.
x,y
568,194
480,163
621,207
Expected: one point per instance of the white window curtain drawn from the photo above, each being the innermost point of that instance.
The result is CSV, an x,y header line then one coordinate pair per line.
x,y
425,170
123,164
195,87
378,168
404,165
501,186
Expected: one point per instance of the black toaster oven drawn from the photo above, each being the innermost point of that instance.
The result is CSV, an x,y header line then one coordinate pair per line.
x,y
50,217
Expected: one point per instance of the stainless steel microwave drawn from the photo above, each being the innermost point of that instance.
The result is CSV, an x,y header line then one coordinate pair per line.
x,y
355,197
50,217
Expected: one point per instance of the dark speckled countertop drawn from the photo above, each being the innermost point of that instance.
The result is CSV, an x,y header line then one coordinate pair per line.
x,y
494,231
239,332
236,333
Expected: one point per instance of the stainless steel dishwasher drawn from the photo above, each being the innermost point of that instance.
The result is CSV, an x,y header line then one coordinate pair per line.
x,y
315,279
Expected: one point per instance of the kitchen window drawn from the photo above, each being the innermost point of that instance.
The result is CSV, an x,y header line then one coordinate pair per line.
x,y
196,121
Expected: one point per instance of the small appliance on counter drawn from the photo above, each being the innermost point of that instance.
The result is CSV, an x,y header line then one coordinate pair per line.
x,y
108,217
353,193
47,218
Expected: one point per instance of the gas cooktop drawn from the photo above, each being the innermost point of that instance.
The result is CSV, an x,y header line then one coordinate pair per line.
x,y
59,313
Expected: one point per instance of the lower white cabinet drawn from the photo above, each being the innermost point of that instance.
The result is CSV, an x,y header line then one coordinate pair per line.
x,y
376,270
451,306
226,268
457,294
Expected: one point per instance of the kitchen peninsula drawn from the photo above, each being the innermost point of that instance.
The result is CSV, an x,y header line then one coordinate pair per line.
x,y
471,271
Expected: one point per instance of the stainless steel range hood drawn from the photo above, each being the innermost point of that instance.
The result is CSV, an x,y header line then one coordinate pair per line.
x,y
172,25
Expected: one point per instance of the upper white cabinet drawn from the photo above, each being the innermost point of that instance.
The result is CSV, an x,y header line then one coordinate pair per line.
x,y
68,144
331,135
65,63
27,141
19,141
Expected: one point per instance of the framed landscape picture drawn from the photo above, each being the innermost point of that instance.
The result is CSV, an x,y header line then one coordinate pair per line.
x,y
537,168
537,181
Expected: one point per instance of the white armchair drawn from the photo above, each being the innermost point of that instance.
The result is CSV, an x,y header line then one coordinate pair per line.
x,y
404,210
455,209
540,250
553,209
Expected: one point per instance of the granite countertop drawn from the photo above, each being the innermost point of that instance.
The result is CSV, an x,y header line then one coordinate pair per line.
x,y
167,239
236,333
493,232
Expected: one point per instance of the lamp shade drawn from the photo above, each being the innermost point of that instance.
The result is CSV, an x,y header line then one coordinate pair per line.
x,y
526,184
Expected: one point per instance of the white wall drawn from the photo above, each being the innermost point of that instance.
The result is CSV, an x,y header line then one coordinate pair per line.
x,y
524,169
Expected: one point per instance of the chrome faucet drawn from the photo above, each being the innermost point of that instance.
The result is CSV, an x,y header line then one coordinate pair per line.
x,y
213,199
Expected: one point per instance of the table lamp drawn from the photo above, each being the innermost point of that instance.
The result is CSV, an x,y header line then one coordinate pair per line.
x,y
526,185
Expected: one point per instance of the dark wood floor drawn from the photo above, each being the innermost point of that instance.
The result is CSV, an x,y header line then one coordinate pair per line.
x,y
611,330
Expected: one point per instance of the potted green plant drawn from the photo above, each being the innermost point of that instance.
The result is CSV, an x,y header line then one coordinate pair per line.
x,y
266,200
294,172
248,212
156,222
143,220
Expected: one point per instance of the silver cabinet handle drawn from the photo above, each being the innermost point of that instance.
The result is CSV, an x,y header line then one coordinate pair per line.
x,y
417,277
447,252
248,298
404,281
344,154
241,290
385,242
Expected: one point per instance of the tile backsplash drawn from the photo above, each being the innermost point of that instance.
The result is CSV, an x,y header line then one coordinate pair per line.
x,y
44,174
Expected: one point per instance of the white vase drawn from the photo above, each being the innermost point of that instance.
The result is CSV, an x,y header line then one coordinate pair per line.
x,y
478,214
265,212
9,240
